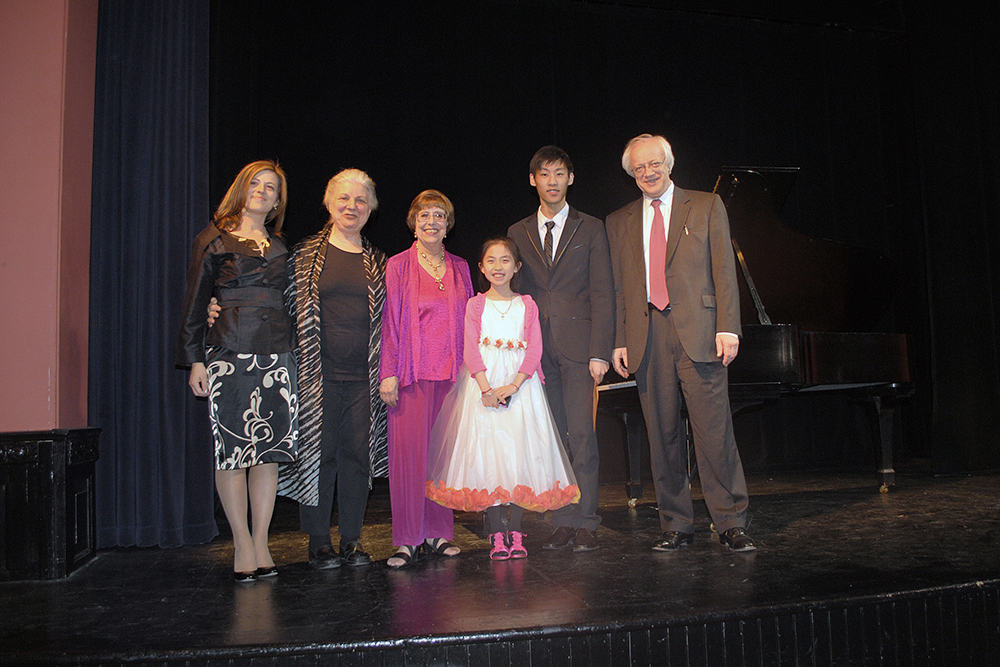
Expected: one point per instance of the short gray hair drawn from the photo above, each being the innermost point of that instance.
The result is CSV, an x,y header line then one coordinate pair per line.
x,y
668,154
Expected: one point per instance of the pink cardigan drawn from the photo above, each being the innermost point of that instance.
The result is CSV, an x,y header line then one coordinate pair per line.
x,y
401,317
532,333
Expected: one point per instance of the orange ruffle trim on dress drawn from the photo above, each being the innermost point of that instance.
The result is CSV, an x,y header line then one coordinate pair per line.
x,y
477,500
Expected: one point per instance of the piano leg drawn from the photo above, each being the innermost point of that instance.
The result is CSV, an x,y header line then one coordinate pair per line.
x,y
884,415
633,438
886,419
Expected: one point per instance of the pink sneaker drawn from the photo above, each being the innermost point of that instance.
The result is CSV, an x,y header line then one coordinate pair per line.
x,y
499,550
517,549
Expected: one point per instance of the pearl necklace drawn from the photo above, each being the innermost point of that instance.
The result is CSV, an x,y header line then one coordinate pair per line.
x,y
503,313
434,267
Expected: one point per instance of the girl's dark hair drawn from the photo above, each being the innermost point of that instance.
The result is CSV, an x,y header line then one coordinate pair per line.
x,y
505,241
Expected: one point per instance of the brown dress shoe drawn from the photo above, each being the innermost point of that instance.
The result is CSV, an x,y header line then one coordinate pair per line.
x,y
585,540
560,538
671,540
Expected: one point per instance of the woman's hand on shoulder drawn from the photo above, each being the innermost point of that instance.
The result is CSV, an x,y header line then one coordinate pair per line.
x,y
388,391
213,311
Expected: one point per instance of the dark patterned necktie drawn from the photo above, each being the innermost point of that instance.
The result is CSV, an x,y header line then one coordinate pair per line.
x,y
547,244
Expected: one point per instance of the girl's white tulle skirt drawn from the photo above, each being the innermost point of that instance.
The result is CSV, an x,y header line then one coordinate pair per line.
x,y
480,457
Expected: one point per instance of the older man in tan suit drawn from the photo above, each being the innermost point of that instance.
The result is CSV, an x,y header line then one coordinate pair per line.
x,y
678,324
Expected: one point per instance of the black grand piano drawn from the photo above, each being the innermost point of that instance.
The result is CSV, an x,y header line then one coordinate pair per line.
x,y
808,308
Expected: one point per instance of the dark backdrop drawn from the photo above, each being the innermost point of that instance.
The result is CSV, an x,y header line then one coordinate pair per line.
x,y
435,95
458,96
154,477
890,112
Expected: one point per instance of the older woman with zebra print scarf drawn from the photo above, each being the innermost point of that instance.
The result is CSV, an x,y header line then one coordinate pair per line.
x,y
337,294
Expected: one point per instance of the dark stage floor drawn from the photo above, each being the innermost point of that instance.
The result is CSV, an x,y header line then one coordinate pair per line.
x,y
821,537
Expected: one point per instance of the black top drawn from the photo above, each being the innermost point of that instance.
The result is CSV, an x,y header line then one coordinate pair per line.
x,y
344,316
250,289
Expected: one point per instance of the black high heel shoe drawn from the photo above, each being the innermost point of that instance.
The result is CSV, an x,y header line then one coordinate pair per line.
x,y
267,571
245,577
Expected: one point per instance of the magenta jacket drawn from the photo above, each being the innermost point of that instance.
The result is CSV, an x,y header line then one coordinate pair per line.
x,y
401,317
532,333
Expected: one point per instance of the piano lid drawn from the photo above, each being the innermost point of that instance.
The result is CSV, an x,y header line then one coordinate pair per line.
x,y
818,284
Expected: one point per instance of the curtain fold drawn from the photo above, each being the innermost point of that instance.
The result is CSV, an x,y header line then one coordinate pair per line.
x,y
155,475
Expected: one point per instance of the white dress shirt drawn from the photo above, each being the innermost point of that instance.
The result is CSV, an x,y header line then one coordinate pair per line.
x,y
560,220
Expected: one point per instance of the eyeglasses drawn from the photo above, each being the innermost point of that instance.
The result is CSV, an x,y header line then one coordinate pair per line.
x,y
424,216
640,169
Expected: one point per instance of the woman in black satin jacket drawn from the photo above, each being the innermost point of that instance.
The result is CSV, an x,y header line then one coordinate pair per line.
x,y
244,363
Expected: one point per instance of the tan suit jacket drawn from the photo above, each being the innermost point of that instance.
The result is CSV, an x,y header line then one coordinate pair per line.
x,y
700,270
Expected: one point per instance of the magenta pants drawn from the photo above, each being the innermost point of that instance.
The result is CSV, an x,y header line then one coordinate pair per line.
x,y
415,518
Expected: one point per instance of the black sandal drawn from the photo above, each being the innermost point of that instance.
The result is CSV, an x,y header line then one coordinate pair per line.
x,y
438,546
406,553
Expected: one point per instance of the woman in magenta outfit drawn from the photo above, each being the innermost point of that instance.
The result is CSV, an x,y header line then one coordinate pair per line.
x,y
426,289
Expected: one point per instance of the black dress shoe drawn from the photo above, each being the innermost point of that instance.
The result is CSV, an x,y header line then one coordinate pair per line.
x,y
324,558
352,554
671,540
245,577
561,537
737,540
585,540
267,571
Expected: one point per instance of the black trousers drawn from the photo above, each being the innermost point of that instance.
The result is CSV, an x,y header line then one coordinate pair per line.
x,y
570,390
498,520
344,461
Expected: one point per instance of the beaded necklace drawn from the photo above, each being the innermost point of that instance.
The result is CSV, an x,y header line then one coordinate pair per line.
x,y
434,267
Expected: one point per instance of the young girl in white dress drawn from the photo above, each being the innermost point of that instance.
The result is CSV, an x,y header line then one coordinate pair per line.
x,y
495,446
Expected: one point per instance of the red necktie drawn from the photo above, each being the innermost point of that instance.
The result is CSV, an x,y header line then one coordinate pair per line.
x,y
658,260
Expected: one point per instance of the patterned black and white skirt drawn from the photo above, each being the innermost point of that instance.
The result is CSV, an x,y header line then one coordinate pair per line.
x,y
253,406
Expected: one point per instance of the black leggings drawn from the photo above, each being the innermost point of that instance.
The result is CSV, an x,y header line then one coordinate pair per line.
x,y
497,520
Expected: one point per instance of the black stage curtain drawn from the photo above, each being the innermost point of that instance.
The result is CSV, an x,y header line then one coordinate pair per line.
x,y
150,197
458,96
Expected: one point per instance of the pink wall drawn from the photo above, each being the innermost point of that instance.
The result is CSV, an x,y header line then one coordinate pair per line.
x,y
48,51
